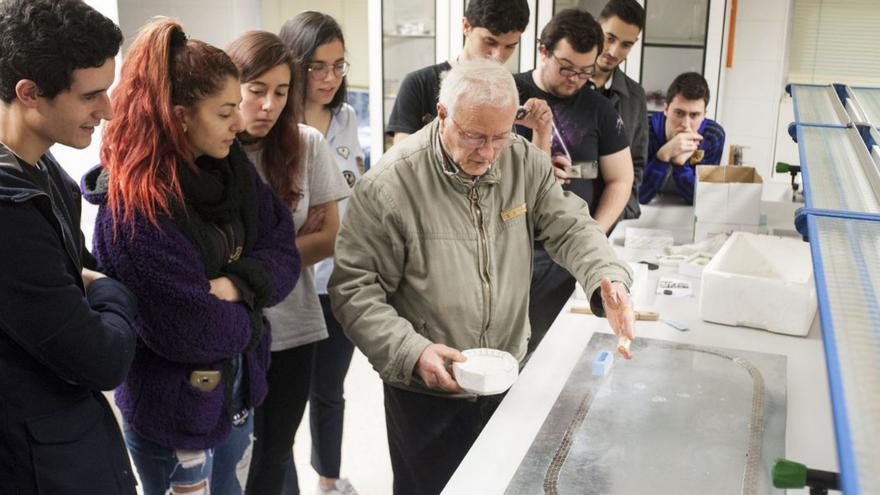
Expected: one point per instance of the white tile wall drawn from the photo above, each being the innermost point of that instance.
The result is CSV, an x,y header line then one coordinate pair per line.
x,y
350,14
214,21
754,85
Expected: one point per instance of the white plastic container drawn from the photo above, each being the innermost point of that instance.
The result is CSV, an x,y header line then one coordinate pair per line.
x,y
762,282
486,371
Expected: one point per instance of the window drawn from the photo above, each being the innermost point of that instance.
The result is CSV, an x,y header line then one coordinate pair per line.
x,y
834,41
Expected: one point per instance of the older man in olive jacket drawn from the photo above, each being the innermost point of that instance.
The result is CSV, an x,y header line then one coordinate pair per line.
x,y
434,255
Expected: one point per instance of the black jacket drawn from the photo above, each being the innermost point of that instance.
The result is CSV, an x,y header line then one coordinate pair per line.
x,y
59,344
628,99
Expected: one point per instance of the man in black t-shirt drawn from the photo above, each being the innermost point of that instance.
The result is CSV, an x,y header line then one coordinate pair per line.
x,y
492,29
589,145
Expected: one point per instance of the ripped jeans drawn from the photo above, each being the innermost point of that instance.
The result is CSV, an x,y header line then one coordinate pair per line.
x,y
222,470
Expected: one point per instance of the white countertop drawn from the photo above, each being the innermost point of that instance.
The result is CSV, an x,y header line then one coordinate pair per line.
x,y
497,453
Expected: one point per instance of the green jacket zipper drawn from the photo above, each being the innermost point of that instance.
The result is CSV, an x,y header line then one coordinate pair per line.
x,y
477,214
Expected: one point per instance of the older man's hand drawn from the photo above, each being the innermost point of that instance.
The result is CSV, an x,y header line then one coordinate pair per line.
x,y
618,308
432,367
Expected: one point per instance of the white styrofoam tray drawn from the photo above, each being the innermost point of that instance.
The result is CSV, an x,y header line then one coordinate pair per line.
x,y
486,371
762,282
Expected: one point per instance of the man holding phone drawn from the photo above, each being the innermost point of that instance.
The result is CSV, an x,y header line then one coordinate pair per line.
x,y
589,148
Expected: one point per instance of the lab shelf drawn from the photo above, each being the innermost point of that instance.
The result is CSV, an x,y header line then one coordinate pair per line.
x,y
814,104
868,101
839,161
839,173
846,259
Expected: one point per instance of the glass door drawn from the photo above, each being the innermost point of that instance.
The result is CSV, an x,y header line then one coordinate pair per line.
x,y
409,30
674,42
680,36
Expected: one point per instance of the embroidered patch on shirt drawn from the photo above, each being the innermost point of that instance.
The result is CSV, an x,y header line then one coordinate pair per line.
x,y
349,177
343,151
511,213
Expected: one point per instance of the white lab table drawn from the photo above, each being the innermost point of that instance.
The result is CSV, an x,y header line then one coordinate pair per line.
x,y
496,455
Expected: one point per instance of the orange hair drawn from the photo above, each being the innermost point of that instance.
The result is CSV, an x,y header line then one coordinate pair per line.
x,y
145,142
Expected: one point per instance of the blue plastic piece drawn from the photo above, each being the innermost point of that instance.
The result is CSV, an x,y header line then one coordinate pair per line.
x,y
792,131
602,364
681,327
800,223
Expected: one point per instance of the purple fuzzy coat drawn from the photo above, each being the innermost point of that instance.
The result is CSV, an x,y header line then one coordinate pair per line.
x,y
182,326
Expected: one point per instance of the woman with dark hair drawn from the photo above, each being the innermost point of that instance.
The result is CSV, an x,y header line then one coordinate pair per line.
x,y
318,49
296,162
188,225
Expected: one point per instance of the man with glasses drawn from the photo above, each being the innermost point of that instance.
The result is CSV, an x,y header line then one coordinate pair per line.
x,y
622,22
589,148
492,29
430,258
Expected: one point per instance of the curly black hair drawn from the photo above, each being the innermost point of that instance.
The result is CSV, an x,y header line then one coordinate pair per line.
x,y
498,16
581,30
46,40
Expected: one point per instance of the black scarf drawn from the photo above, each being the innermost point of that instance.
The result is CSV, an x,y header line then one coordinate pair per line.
x,y
214,192
221,192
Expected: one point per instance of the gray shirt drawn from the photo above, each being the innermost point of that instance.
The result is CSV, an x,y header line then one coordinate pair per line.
x,y
298,319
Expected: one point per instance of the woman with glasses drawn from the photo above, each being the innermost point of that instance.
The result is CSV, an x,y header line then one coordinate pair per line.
x,y
318,48
295,160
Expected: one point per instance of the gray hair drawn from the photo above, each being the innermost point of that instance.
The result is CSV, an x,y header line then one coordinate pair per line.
x,y
478,82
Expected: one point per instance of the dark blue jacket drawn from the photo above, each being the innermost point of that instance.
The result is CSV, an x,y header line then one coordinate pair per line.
x,y
684,177
60,344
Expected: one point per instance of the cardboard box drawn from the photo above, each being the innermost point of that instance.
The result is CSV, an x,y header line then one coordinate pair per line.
x,y
760,281
726,198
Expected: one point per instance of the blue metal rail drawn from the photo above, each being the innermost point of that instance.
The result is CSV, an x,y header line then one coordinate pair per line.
x,y
839,162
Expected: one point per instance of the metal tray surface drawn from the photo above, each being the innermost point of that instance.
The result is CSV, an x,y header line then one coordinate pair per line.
x,y
675,419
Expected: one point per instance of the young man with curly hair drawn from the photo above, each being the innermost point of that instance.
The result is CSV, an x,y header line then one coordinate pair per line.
x,y
65,330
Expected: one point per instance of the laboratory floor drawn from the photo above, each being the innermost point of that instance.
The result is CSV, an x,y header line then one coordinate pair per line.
x,y
365,460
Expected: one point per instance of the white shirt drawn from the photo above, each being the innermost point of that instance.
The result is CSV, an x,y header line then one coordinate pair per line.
x,y
346,149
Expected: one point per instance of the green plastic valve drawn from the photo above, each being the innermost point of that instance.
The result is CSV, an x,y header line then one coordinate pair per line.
x,y
789,474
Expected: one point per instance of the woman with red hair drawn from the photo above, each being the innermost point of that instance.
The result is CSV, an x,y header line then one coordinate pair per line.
x,y
298,164
188,225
